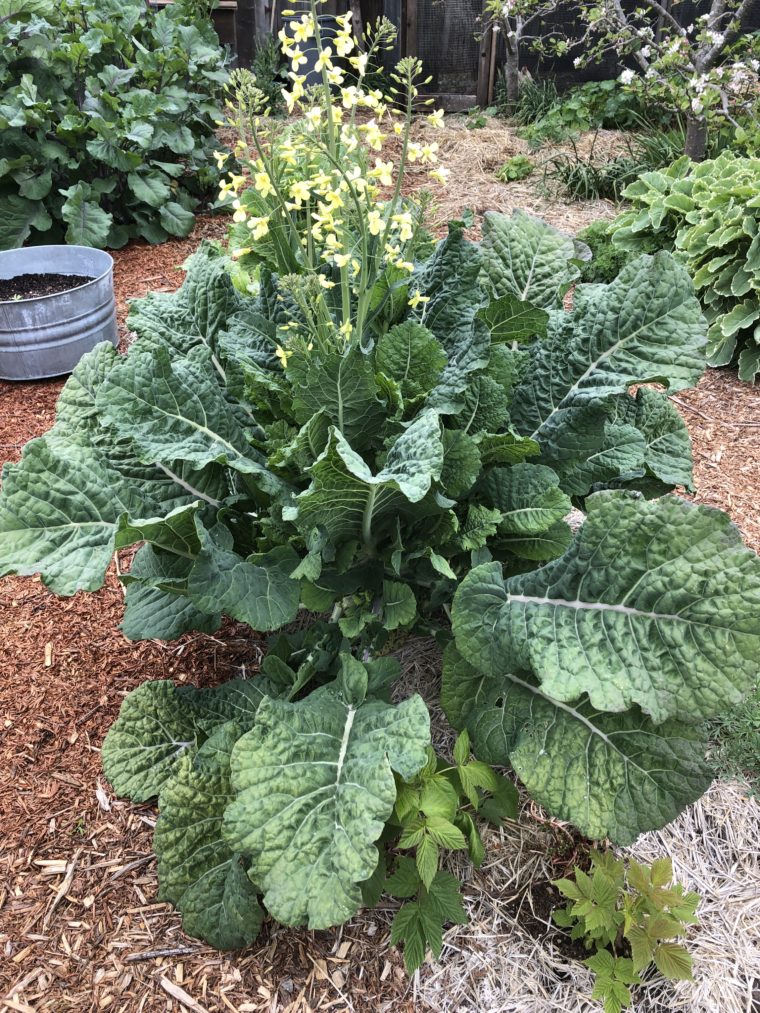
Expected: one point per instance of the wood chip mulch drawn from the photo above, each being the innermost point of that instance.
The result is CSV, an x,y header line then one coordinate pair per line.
x,y
80,928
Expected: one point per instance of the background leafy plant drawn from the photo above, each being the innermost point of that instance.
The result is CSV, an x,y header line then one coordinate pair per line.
x,y
620,908
709,214
107,115
515,168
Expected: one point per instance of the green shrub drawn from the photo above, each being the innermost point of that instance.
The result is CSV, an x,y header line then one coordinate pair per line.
x,y
709,214
515,168
618,908
107,120
607,260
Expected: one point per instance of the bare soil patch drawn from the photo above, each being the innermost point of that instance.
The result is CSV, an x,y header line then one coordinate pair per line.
x,y
32,286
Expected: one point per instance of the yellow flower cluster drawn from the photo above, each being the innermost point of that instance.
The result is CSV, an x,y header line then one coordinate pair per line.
x,y
318,189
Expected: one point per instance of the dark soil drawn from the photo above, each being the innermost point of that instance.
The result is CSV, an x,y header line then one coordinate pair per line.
x,y
32,286
533,910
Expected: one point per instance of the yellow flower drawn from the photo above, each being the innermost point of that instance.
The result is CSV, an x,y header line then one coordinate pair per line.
x,y
297,58
350,96
299,191
259,227
429,153
405,226
375,223
313,117
335,76
341,259
283,355
405,265
240,214
323,60
241,252
344,42
418,299
332,242
263,184
303,29
221,157
413,151
436,119
346,330
383,172
440,175
373,135
359,63
324,282
398,128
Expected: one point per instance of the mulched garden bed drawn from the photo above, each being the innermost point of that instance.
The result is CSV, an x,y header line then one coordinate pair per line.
x,y
80,928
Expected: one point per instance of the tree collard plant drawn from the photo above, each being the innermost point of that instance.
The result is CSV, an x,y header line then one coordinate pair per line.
x,y
394,445
617,907
709,213
706,70
107,118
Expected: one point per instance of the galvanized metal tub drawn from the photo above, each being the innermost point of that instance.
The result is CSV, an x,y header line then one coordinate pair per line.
x,y
47,336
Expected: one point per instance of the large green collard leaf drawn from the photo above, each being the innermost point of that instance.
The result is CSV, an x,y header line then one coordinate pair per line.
x,y
197,871
612,775
645,326
159,722
156,605
667,453
343,387
511,320
529,259
196,313
410,355
315,786
348,500
59,511
449,280
173,409
257,590
528,496
655,604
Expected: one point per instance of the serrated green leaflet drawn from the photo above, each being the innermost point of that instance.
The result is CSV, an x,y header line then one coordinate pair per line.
x,y
655,603
314,784
197,872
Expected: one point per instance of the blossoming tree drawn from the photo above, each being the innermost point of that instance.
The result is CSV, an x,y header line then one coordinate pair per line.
x,y
706,70
522,24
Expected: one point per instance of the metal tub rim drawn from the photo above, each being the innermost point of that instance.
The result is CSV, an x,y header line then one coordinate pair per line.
x,y
45,249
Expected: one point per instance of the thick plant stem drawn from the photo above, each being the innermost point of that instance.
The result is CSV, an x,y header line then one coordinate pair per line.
x,y
696,139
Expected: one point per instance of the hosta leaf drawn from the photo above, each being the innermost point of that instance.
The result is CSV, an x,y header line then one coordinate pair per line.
x,y
612,775
645,326
314,783
177,221
528,259
17,219
348,500
655,603
196,313
528,496
156,605
88,224
197,872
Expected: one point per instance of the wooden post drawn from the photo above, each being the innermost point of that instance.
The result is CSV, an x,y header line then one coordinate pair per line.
x,y
410,28
245,32
484,65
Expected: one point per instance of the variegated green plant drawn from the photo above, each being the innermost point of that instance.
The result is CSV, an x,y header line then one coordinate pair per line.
x,y
708,213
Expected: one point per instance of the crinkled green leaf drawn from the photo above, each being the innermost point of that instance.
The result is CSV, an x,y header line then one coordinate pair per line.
x,y
314,783
655,603
667,453
644,326
411,355
612,775
528,496
259,591
510,319
197,872
525,257
348,501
